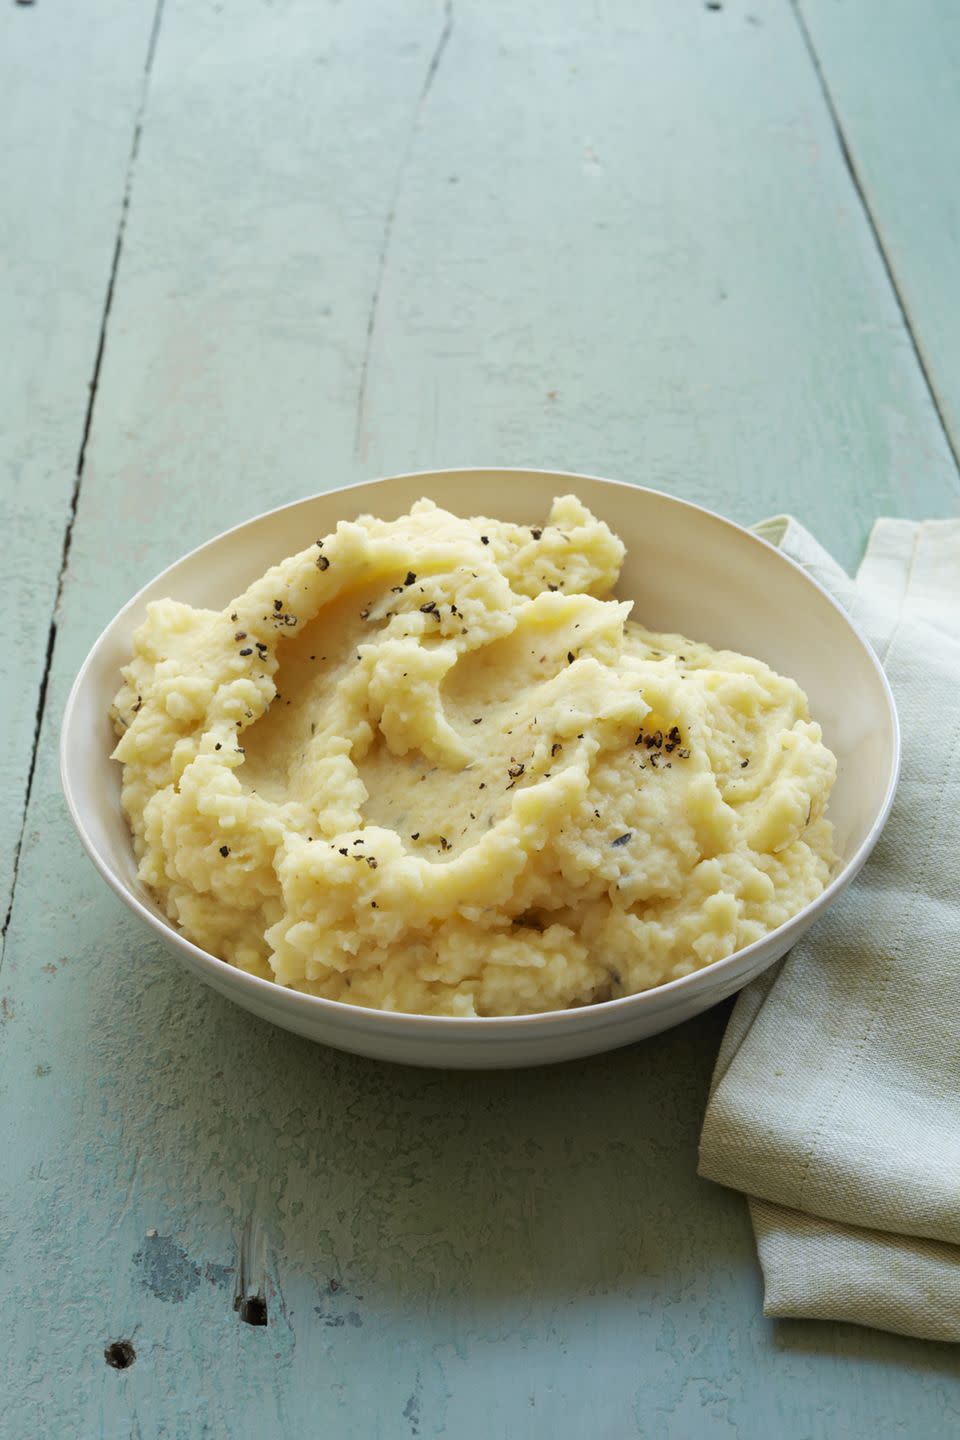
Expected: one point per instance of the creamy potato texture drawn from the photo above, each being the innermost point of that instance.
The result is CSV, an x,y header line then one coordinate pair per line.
x,y
431,765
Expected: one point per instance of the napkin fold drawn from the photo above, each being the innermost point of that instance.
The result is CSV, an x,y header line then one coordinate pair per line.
x,y
835,1102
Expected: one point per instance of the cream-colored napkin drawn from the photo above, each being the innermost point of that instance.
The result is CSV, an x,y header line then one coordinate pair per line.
x,y
835,1103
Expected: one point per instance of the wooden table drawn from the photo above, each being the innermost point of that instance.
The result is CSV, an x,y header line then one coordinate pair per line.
x,y
257,249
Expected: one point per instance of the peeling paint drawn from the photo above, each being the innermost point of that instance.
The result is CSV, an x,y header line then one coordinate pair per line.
x,y
411,1411
168,1272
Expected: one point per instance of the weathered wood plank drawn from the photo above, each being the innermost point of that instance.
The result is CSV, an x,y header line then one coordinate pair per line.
x,y
645,213
893,75
632,266
71,81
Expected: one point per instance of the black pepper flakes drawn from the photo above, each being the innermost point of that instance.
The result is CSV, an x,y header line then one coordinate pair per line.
x,y
233,615
240,635
247,651
411,578
370,859
429,608
515,771
415,836
536,533
278,605
224,851
344,851
744,764
323,562
555,748
217,746
478,720
444,843
485,539
553,587
623,839
569,657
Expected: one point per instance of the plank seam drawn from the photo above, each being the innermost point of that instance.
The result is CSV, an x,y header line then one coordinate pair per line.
x,y
429,77
82,454
885,260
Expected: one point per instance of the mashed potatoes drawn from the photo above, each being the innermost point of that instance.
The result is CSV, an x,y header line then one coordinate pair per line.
x,y
430,765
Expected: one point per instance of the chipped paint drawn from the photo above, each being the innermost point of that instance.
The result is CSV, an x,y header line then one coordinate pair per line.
x,y
169,1274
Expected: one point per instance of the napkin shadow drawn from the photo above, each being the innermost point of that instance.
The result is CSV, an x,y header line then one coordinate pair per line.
x,y
879,1348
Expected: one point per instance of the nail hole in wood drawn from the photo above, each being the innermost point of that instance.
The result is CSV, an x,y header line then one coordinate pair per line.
x,y
253,1310
120,1354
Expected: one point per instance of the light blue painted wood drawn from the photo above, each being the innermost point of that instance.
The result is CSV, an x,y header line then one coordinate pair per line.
x,y
71,79
596,235
893,73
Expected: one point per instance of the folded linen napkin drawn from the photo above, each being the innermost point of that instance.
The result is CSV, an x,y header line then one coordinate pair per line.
x,y
835,1102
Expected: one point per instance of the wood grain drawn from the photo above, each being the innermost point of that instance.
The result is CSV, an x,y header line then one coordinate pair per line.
x,y
893,74
360,239
63,172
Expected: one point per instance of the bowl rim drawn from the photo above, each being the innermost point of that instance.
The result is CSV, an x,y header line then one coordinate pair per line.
x,y
363,1017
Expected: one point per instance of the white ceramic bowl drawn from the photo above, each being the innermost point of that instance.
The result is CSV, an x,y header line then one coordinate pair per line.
x,y
689,571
